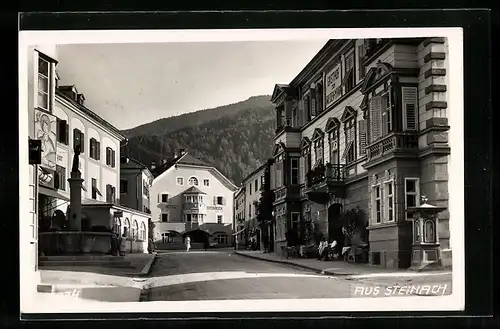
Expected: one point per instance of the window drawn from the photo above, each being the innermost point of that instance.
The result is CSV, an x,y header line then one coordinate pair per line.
x,y
294,164
219,219
295,219
135,230
318,150
219,200
60,178
206,182
361,59
249,211
279,171
110,157
389,201
350,135
45,83
412,191
188,218
350,77
193,181
95,149
95,190
256,182
319,97
164,197
78,140
123,186
110,193
386,113
363,137
410,108
180,181
334,146
164,218
222,238
195,218
145,188
62,131
376,204
200,199
126,228
142,235
295,118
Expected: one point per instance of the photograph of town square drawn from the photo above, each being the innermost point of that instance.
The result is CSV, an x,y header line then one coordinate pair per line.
x,y
239,170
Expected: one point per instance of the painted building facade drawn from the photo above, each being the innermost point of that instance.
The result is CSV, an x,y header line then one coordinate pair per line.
x,y
135,184
364,127
188,194
252,185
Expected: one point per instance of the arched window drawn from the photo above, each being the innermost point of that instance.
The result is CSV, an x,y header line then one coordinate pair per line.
x,y
193,181
118,226
135,230
430,235
126,228
142,235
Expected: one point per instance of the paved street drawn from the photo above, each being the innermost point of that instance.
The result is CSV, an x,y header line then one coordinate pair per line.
x,y
216,275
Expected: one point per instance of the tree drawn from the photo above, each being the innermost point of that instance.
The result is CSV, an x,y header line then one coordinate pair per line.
x,y
354,222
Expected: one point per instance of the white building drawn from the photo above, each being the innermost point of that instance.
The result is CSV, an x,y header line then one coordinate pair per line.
x,y
252,188
188,194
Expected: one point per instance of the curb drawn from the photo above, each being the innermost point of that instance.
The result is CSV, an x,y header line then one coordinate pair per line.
x,y
284,262
147,268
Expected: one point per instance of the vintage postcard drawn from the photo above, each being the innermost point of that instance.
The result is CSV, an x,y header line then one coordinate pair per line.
x,y
241,170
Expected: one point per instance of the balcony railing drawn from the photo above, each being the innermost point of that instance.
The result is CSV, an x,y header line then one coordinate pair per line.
x,y
325,174
391,143
292,191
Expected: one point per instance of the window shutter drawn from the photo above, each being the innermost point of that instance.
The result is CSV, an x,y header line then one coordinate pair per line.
x,y
410,110
113,158
82,141
384,115
272,175
76,135
158,198
313,103
215,200
307,108
362,137
375,119
319,96
223,201
349,62
66,134
302,171
98,150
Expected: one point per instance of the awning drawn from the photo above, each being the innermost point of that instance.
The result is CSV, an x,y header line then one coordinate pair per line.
x,y
236,233
52,193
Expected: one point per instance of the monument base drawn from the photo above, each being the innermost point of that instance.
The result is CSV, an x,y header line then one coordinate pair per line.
x,y
426,258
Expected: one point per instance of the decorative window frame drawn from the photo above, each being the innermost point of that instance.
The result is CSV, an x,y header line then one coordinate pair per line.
x,y
177,181
373,201
349,120
318,141
387,210
191,181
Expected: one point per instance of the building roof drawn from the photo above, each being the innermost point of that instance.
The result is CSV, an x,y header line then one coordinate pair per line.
x,y
255,171
193,190
87,111
190,160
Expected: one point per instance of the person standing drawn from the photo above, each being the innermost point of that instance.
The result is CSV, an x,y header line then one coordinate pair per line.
x,y
206,243
188,243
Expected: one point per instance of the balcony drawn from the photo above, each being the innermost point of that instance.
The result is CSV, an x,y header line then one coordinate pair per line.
x,y
323,181
396,144
288,193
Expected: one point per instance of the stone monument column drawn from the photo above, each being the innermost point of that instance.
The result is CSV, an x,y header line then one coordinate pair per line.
x,y
75,190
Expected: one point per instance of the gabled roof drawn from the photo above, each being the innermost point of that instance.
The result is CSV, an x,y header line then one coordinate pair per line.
x,y
305,142
193,190
278,89
188,160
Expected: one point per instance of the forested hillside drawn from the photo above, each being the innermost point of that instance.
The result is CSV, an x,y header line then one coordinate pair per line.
x,y
236,142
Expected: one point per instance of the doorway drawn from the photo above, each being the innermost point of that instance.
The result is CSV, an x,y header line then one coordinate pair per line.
x,y
335,224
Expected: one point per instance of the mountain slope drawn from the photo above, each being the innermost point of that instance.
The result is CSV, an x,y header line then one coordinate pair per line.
x,y
166,125
235,143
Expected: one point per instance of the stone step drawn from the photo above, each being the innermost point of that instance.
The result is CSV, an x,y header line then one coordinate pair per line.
x,y
71,263
108,258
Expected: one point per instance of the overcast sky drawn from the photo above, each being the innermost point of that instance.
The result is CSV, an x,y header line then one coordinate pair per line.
x,y
133,84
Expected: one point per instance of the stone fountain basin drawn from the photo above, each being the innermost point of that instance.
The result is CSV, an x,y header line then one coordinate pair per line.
x,y
60,243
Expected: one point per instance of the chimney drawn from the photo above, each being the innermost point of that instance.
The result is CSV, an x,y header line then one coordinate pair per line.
x,y
80,99
69,91
153,165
